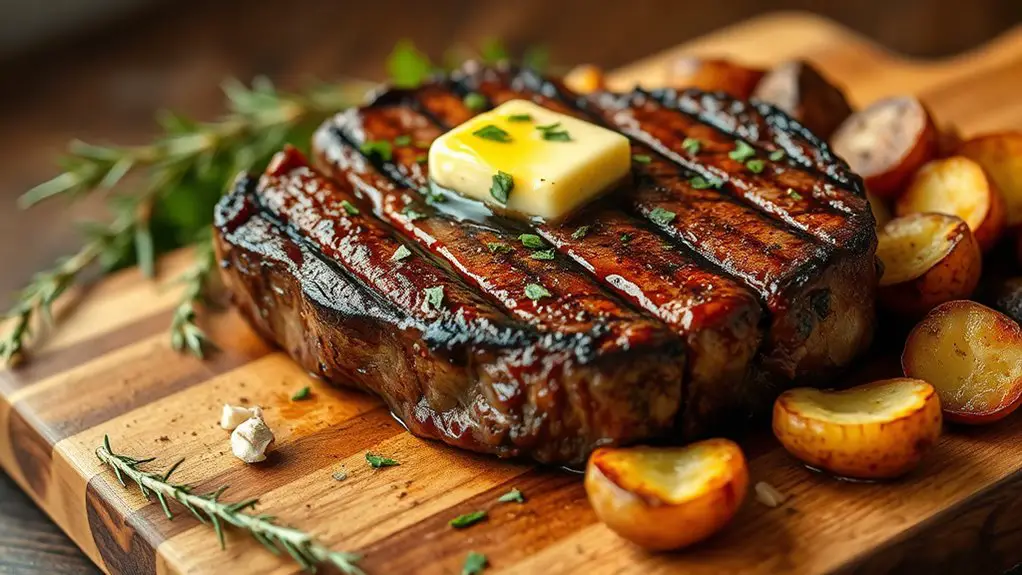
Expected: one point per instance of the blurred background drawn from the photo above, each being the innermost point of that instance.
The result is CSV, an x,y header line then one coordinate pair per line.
x,y
99,69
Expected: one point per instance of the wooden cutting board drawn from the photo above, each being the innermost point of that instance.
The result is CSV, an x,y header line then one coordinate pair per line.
x,y
108,369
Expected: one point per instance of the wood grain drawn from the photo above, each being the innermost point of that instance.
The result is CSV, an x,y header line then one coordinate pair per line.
x,y
960,509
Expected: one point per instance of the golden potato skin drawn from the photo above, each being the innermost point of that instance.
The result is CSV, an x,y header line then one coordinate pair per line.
x,y
1000,154
871,450
642,515
713,75
585,79
953,277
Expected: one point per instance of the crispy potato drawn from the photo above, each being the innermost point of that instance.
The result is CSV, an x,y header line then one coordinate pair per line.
x,y
667,498
887,142
798,88
1001,157
713,75
585,79
881,211
973,356
959,187
928,259
873,431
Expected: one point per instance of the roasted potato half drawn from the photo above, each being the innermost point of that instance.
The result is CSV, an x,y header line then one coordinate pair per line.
x,y
713,75
960,187
928,259
881,211
973,356
585,79
667,498
887,142
798,88
1001,157
873,431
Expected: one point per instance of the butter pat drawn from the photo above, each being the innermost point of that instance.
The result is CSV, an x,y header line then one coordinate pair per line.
x,y
557,163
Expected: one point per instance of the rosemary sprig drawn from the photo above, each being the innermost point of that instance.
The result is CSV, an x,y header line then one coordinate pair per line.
x,y
207,508
184,333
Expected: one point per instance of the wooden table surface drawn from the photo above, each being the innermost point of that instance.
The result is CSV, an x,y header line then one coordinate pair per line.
x,y
106,85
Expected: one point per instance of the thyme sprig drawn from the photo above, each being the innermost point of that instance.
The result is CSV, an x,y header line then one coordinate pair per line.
x,y
184,333
208,509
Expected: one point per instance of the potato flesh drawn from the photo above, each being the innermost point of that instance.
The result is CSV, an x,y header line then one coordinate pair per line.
x,y
949,186
864,404
868,143
968,359
908,247
675,475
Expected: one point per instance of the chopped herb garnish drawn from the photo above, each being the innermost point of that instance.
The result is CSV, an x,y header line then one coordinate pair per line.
x,y
625,238
467,520
552,133
301,394
475,101
742,151
349,207
421,159
402,140
794,195
378,461
691,145
379,148
536,292
532,241
475,563
543,255
400,253
776,155
412,215
580,232
701,183
546,127
434,296
501,187
422,145
661,216
519,118
491,132
497,247
641,158
433,197
755,166
513,496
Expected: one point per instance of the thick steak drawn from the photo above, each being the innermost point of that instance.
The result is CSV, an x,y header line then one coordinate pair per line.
x,y
692,324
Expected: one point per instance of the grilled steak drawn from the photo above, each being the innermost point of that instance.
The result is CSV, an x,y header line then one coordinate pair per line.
x,y
645,326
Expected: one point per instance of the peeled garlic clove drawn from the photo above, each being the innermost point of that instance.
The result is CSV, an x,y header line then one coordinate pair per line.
x,y
769,495
250,440
233,415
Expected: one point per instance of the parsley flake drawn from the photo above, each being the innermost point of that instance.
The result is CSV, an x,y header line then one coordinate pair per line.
x,y
434,296
513,496
755,166
742,151
519,118
378,148
776,155
701,183
412,215
475,563
400,253
378,461
301,394
691,145
536,292
491,132
497,247
794,195
580,232
502,186
531,241
407,66
543,255
641,158
554,132
625,238
402,140
349,207
421,159
661,216
467,519
475,101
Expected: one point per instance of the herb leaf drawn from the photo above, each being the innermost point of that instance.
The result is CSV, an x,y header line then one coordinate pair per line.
x,y
513,496
378,148
434,296
497,247
543,255
403,140
407,66
532,241
400,253
349,207
301,394
755,166
580,232
691,145
378,461
502,186
776,155
661,216
475,563
641,158
421,159
701,183
536,292
743,151
475,101
467,519
625,238
412,215
494,133
794,195
519,118
554,133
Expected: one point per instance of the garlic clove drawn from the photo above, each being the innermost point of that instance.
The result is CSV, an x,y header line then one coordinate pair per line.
x,y
250,440
233,415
